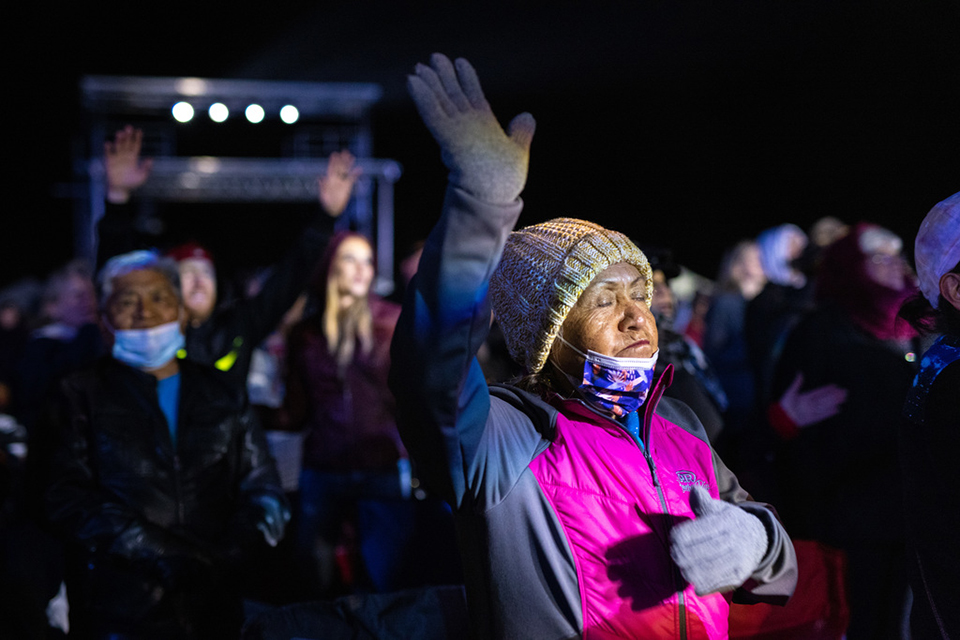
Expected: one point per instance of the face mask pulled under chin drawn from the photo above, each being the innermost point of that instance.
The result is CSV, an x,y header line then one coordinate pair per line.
x,y
617,385
148,348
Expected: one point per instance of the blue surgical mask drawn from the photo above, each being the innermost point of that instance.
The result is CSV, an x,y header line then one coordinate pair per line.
x,y
148,348
617,385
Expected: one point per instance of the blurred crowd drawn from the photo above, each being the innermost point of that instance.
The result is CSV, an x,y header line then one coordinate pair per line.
x,y
175,460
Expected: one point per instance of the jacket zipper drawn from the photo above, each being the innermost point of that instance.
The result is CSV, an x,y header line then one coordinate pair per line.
x,y
681,600
177,484
656,393
652,464
181,518
681,603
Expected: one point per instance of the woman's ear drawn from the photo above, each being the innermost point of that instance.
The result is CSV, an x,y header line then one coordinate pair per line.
x,y
551,368
950,288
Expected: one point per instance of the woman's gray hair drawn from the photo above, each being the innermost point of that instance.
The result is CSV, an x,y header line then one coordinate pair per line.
x,y
125,263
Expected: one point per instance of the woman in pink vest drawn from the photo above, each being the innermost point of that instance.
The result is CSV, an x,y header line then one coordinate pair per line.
x,y
586,504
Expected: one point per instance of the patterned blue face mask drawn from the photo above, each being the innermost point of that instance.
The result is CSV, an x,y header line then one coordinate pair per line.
x,y
617,385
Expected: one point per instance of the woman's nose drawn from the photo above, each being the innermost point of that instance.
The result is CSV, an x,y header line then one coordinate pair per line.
x,y
632,315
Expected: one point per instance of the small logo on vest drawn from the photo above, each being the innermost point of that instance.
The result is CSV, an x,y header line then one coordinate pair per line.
x,y
688,480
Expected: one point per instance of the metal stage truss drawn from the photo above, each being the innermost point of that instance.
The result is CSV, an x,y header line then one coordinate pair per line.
x,y
330,116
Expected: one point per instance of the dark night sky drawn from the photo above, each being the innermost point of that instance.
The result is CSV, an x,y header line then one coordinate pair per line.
x,y
685,124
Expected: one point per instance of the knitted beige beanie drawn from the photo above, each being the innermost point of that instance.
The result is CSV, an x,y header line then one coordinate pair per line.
x,y
543,271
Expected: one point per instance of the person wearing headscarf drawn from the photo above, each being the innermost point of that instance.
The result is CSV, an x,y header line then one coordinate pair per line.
x,y
779,248
587,504
840,478
930,429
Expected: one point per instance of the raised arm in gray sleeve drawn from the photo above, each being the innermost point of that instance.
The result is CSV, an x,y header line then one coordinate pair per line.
x,y
463,448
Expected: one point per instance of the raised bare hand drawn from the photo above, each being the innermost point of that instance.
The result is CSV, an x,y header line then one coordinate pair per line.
x,y
336,186
126,171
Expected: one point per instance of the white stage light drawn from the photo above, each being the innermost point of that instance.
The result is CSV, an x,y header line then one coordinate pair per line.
x,y
254,113
218,112
192,86
289,114
182,112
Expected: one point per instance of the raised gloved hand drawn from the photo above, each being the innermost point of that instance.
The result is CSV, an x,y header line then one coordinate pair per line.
x,y
273,524
721,547
482,159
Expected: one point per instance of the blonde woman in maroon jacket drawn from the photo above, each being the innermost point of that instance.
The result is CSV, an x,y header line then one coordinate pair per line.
x,y
353,462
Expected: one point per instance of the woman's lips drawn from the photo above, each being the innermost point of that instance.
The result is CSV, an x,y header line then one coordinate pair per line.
x,y
640,344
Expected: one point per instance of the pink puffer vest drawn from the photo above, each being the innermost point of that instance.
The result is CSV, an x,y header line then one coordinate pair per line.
x,y
617,523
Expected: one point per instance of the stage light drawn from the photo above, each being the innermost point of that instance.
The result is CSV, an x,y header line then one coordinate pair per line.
x,y
289,114
192,86
182,112
218,112
254,113
205,164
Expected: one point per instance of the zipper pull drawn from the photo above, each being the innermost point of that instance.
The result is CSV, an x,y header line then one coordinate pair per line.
x,y
653,468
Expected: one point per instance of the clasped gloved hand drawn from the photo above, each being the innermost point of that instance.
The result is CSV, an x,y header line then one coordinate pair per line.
x,y
274,521
720,548
482,159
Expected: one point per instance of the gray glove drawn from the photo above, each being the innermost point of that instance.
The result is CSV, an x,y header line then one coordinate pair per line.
x,y
273,524
482,159
721,547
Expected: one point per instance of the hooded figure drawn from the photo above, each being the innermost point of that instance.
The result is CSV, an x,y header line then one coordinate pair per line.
x,y
865,274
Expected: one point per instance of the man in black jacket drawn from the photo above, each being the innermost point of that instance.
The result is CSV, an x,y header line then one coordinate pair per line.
x,y
162,481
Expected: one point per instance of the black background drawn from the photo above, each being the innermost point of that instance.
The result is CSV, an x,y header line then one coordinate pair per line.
x,y
684,124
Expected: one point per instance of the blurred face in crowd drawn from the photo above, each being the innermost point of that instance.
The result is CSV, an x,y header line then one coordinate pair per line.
x,y
611,317
828,230
10,317
198,281
142,299
663,304
748,272
886,267
881,257
75,303
796,244
352,270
